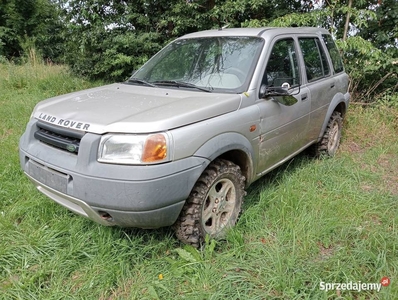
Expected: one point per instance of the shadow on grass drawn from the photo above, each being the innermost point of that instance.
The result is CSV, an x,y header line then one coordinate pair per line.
x,y
277,176
159,235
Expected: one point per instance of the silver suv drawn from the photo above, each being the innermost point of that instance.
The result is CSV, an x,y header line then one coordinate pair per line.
x,y
180,141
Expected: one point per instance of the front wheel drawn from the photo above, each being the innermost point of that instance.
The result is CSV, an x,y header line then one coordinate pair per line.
x,y
214,204
331,138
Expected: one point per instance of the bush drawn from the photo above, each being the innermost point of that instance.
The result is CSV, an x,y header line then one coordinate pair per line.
x,y
373,73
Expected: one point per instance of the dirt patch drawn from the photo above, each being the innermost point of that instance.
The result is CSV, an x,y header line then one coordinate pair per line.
x,y
9,282
373,221
6,133
352,147
120,292
324,252
367,187
77,280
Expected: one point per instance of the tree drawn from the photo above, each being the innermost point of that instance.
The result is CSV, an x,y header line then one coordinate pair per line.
x,y
382,30
370,58
29,24
112,38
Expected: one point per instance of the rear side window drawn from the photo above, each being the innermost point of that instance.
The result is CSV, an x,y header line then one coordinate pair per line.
x,y
316,63
334,53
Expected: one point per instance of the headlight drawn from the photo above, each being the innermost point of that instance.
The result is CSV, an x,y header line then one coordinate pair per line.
x,y
134,149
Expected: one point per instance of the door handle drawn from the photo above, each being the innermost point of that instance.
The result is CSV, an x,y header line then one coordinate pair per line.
x,y
304,96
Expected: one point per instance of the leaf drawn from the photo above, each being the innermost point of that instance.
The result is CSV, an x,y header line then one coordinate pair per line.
x,y
184,254
152,292
210,246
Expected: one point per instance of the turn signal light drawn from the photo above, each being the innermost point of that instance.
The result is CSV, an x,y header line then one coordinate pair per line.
x,y
155,149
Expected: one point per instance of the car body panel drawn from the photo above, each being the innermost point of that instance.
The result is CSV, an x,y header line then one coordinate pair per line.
x,y
130,108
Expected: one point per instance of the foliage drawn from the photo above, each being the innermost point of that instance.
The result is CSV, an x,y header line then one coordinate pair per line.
x,y
373,71
112,38
26,25
370,53
108,39
382,29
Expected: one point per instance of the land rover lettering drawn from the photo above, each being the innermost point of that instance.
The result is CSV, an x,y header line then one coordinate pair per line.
x,y
64,122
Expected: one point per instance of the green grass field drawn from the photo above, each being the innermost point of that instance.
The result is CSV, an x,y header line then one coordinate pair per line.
x,y
310,221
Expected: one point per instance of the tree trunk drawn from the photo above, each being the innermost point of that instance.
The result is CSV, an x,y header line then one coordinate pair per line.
x,y
347,20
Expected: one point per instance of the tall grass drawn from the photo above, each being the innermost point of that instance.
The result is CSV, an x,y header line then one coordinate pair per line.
x,y
332,220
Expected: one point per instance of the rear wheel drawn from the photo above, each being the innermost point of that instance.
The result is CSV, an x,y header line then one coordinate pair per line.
x,y
214,204
331,138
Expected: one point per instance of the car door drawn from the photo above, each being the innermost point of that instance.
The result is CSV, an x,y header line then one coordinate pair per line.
x,y
284,119
319,81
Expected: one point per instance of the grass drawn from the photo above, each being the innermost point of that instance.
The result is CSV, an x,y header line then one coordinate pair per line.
x,y
330,220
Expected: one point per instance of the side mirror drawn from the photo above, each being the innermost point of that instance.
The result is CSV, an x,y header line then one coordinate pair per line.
x,y
273,91
280,94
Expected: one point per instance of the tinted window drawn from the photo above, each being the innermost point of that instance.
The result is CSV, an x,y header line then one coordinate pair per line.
x,y
334,53
282,65
316,64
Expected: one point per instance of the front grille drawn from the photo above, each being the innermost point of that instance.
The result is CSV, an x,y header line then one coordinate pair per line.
x,y
58,137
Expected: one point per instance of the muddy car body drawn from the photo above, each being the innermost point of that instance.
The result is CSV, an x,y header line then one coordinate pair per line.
x,y
181,139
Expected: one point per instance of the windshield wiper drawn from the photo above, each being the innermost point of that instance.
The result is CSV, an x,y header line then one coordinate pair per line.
x,y
181,84
141,81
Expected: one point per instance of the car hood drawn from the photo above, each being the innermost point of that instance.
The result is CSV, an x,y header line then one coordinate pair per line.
x,y
133,109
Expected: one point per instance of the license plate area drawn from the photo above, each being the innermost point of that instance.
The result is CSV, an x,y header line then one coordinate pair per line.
x,y
47,176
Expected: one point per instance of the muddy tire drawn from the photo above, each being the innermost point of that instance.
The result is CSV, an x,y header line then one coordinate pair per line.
x,y
214,204
330,141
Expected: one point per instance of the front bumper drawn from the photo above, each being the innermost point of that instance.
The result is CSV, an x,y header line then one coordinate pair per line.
x,y
128,196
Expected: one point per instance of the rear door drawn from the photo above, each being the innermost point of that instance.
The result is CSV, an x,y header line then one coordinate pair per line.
x,y
319,81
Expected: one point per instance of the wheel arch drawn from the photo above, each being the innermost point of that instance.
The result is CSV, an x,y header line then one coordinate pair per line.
x,y
340,104
233,147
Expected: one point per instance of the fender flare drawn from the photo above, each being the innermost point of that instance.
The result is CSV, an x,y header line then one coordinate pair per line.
x,y
338,99
226,142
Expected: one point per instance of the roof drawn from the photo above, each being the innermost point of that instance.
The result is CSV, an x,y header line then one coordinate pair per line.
x,y
263,31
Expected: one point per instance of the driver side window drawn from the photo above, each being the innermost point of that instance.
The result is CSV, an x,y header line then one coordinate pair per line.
x,y
282,66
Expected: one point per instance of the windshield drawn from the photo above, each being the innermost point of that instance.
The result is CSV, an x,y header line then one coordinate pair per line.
x,y
223,64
